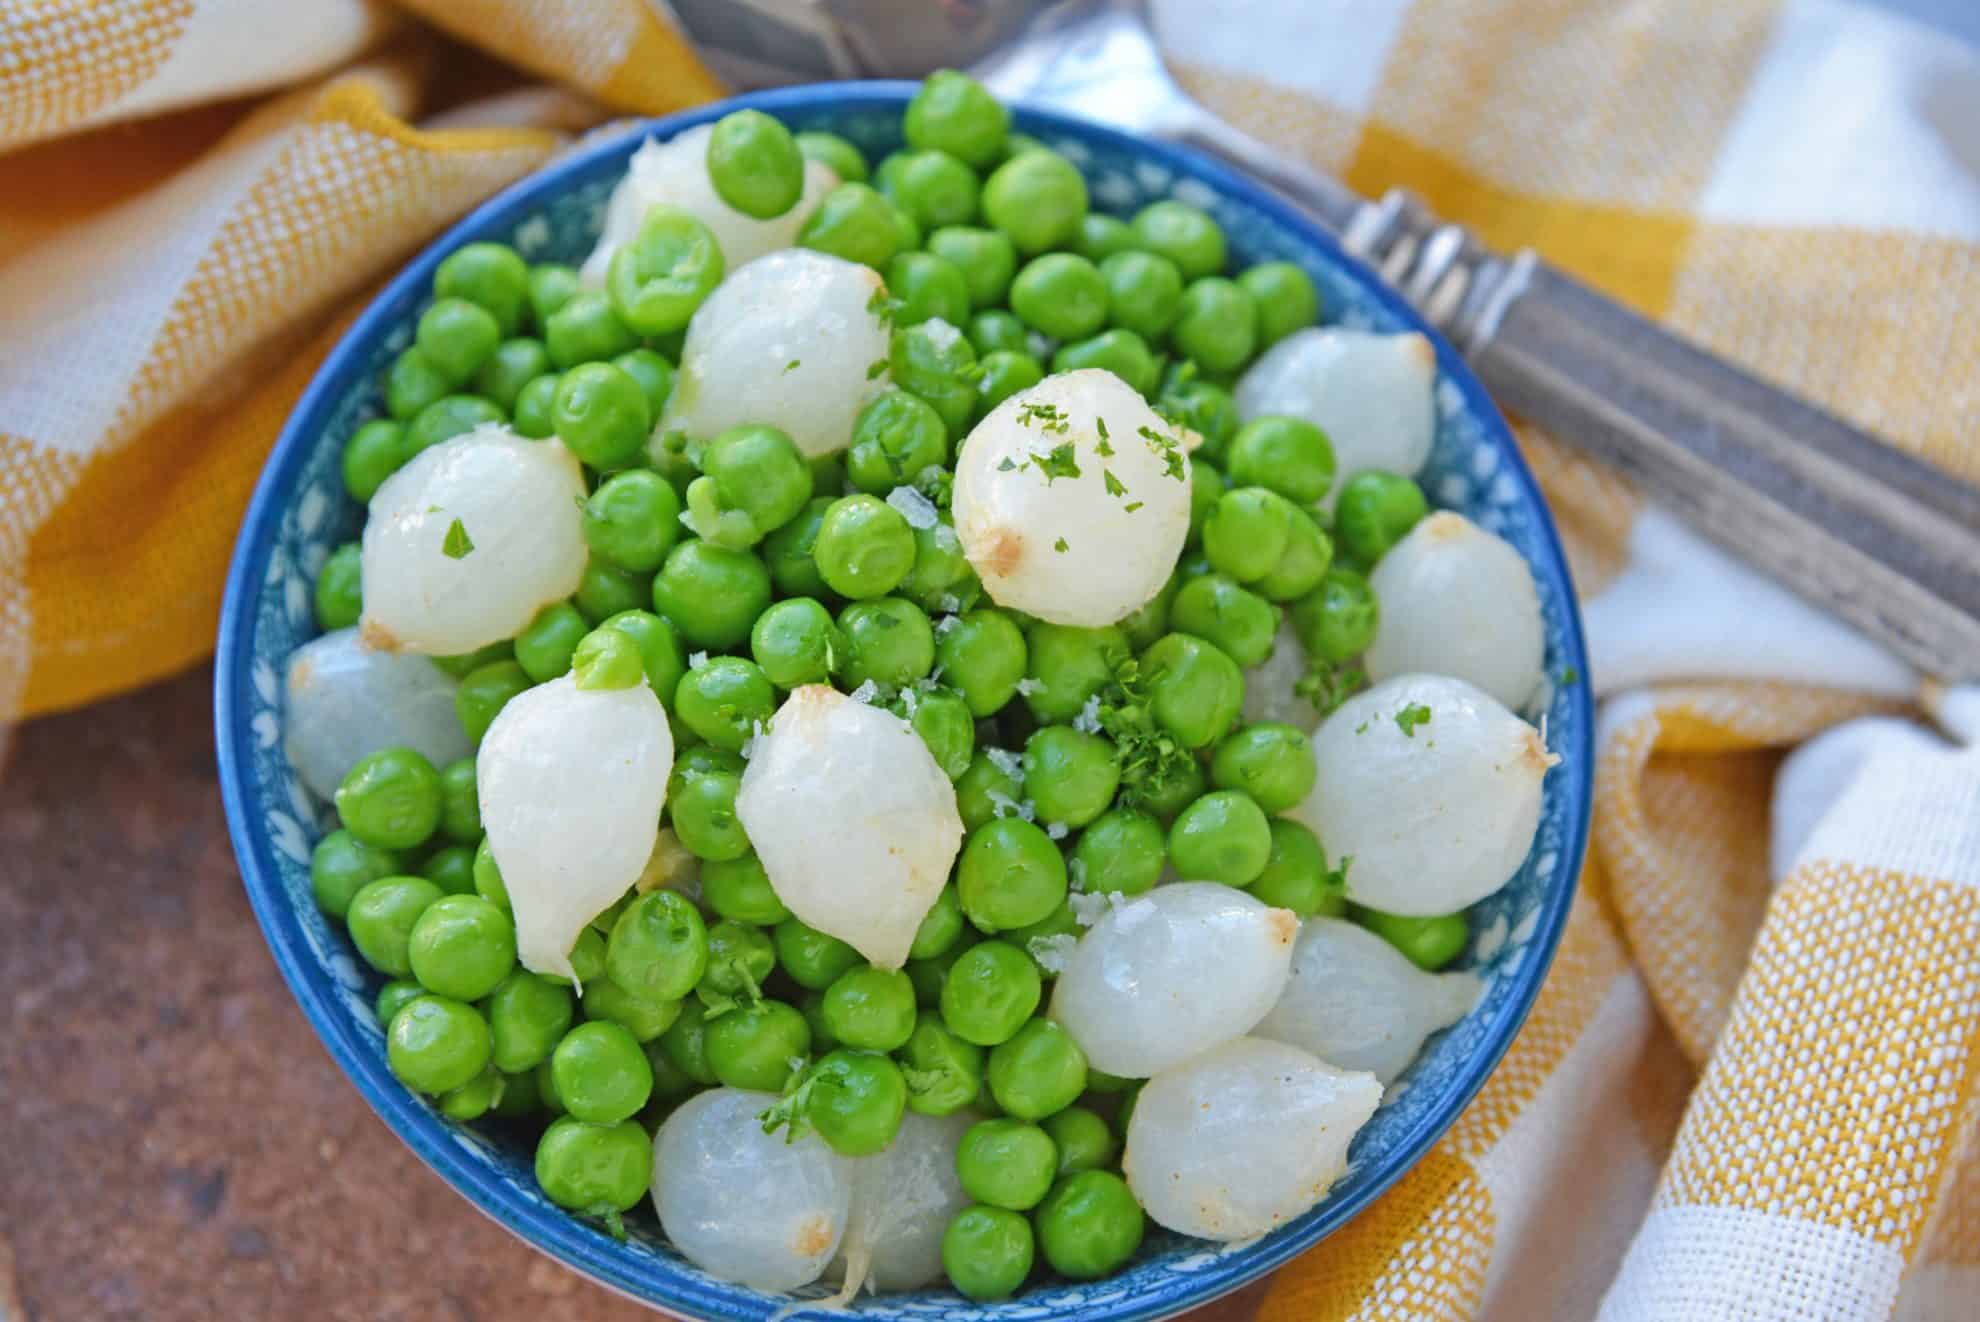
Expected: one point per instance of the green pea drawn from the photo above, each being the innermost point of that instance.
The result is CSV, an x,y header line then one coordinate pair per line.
x,y
604,590
1206,490
854,222
659,649
889,641
341,865
1377,510
1195,689
1038,1071
527,1017
1121,352
436,1044
711,593
856,1101
339,594
1223,836
1006,1163
394,996
658,948
519,1096
932,187
390,798
1239,621
943,1072
544,648
953,113
1144,292
488,882
600,1170
865,547
931,974
992,988
1010,875
1038,199
551,285
586,329
685,1044
531,415
468,662
451,868
753,1046
1060,294
1005,373
984,258
1122,850
983,656
995,329
448,417
1183,234
411,383
987,1251
704,815
1337,620
935,362
670,1085
754,480
1069,665
1101,236
813,959
1070,775
894,439
1270,761
1430,943
788,552
1217,324
754,164
461,946
740,958
632,520
473,1099
607,659
490,275
1296,875
833,152
942,579
796,642
602,1075
725,701
1205,408
375,452
654,374
1308,554
739,889
1151,620
457,337
1082,1138
666,271
1247,532
1090,1225
984,786
941,927
869,1008
1288,455
925,285
601,416
1286,299
513,365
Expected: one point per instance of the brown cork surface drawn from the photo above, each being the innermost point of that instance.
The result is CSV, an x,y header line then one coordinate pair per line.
x,y
174,1142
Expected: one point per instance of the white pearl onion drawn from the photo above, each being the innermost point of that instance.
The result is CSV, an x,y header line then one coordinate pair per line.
x,y
343,700
1457,600
1372,394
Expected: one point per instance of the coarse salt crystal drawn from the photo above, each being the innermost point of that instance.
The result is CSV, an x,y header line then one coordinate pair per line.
x,y
696,660
916,508
1051,952
1029,685
1076,870
944,623
1088,718
1089,907
1057,830
910,699
1011,764
866,692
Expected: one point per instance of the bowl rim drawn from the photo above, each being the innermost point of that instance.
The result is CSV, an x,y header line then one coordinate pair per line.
x,y
565,1238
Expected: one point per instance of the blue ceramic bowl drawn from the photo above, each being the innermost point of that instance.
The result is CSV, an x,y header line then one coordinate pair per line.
x,y
300,512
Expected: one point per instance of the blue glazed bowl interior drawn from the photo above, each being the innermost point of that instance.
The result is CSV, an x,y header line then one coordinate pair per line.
x,y
300,512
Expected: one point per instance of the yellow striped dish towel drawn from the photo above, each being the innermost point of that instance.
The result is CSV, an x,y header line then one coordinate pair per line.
x,y
1751,1087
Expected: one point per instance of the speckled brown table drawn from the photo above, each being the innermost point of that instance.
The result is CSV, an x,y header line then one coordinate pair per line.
x,y
174,1142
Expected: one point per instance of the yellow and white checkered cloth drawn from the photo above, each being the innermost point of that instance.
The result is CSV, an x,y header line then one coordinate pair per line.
x,y
1741,1095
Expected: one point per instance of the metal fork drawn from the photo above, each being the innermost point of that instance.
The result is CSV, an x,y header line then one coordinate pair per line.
x,y
1885,541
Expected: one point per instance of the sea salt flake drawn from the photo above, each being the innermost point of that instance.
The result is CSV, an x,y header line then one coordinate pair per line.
x,y
1051,952
867,692
1057,830
696,660
1087,719
944,623
1011,764
1029,685
1089,907
916,508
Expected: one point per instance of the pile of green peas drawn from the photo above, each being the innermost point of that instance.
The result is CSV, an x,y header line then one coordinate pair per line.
x,y
1095,760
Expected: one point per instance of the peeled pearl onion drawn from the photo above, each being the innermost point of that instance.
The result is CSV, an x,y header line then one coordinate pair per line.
x,y
1372,395
1457,600
903,1199
1434,820
676,173
517,500
344,700
1355,1002
1172,973
1243,1138
852,819
571,783
788,341
1011,518
745,1205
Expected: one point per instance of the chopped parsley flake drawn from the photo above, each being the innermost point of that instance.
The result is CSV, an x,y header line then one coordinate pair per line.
x,y
1133,505
1168,449
1006,464
1059,463
1114,487
458,543
1571,675
875,368
1326,684
1412,716
1046,416
791,366
1060,545
1104,449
